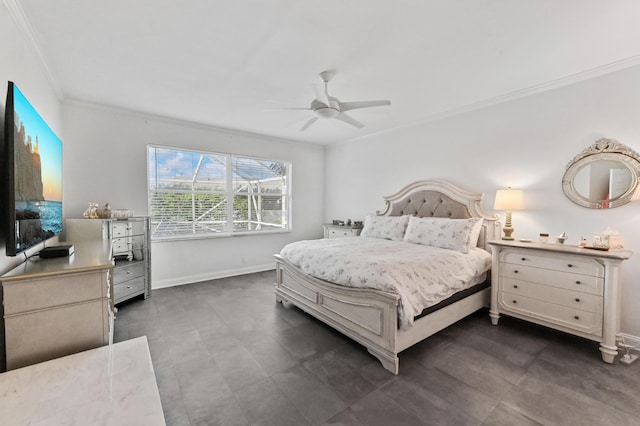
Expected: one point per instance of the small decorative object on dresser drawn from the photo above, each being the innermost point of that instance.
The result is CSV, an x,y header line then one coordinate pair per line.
x,y
341,231
567,288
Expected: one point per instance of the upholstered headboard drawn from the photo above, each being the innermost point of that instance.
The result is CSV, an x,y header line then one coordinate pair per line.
x,y
440,198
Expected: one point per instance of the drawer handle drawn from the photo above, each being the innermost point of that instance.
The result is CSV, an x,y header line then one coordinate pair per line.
x,y
577,300
515,301
515,271
515,286
570,265
128,272
576,317
129,286
523,259
578,282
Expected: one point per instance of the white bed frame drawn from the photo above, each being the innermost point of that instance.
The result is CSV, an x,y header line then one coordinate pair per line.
x,y
369,316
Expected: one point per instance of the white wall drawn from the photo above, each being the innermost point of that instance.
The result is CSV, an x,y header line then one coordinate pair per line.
x,y
526,144
105,161
21,65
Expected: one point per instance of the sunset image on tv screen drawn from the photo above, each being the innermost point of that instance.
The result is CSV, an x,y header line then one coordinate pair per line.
x,y
37,175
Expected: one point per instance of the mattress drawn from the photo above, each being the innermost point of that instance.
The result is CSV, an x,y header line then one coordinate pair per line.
x,y
422,276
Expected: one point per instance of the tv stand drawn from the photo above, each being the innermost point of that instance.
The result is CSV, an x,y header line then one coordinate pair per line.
x,y
60,306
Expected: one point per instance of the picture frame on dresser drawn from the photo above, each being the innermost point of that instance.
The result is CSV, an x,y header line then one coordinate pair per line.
x,y
568,288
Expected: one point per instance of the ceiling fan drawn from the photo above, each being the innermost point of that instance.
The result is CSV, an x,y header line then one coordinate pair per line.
x,y
325,106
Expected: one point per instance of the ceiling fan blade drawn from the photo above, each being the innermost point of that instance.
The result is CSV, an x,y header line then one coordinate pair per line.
x,y
287,109
347,106
321,93
344,117
308,123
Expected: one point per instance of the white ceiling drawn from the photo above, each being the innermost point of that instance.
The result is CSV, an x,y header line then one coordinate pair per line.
x,y
230,63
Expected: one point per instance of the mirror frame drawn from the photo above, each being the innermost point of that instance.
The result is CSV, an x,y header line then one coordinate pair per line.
x,y
603,149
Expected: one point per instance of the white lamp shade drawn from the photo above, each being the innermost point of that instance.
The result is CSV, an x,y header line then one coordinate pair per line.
x,y
509,199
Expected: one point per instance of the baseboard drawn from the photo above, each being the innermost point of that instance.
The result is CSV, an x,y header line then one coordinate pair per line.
x,y
190,279
633,341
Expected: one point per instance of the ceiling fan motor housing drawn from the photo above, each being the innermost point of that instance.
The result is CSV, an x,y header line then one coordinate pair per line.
x,y
323,111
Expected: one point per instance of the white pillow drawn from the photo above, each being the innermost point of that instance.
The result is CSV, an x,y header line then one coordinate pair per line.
x,y
453,234
385,227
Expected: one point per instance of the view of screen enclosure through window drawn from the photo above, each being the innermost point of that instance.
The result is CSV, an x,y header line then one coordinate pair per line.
x,y
201,194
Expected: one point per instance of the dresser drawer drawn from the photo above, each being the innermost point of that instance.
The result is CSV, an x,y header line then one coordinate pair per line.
x,y
125,271
128,288
566,280
573,264
551,313
560,296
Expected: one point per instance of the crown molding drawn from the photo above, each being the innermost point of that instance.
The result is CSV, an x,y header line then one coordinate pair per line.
x,y
517,94
19,17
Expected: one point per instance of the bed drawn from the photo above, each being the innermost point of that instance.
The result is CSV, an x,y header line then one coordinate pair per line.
x,y
377,318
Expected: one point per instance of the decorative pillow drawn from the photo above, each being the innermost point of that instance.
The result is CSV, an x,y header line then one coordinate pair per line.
x,y
452,234
385,227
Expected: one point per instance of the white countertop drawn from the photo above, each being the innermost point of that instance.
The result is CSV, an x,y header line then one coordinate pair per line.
x,y
110,385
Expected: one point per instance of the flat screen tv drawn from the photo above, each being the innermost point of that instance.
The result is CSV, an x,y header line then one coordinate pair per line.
x,y
33,175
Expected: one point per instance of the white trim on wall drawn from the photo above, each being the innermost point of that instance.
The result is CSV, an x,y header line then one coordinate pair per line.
x,y
631,340
190,279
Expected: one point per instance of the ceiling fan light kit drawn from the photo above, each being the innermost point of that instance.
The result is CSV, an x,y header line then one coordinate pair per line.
x,y
329,107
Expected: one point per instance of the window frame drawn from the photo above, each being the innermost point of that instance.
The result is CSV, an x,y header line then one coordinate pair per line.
x,y
228,193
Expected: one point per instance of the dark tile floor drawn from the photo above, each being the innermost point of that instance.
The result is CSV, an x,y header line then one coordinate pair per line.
x,y
225,353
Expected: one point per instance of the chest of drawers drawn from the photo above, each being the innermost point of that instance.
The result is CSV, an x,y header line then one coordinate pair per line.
x,y
567,288
130,250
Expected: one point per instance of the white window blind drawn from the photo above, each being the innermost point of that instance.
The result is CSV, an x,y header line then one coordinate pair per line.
x,y
200,194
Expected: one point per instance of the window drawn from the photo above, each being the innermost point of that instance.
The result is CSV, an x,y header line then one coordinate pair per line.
x,y
202,194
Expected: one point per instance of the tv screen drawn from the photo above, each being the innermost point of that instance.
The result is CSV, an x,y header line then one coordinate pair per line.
x,y
34,175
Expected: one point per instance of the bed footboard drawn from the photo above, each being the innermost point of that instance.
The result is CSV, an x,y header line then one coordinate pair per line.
x,y
368,316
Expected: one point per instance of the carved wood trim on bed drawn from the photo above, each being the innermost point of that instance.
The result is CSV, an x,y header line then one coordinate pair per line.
x,y
370,316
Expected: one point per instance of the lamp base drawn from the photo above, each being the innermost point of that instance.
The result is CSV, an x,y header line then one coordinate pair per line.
x,y
508,229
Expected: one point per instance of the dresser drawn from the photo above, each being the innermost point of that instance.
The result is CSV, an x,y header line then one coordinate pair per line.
x,y
130,250
341,231
59,306
572,289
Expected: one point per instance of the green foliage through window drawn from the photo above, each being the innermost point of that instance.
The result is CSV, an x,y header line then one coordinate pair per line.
x,y
199,194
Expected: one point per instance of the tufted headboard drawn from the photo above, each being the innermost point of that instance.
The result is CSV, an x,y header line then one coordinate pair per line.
x,y
440,198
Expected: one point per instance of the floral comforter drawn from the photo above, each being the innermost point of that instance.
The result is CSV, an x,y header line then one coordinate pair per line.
x,y
421,275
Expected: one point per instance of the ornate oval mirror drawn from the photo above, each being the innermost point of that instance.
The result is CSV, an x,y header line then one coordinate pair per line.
x,y
602,176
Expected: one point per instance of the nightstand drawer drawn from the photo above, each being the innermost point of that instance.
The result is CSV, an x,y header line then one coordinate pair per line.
x,y
121,245
120,229
575,319
127,271
338,233
570,264
571,299
569,281
128,288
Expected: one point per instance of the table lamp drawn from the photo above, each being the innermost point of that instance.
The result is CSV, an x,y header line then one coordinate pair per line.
x,y
508,200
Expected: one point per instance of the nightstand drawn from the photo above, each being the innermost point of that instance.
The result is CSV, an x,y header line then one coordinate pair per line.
x,y
341,231
568,288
